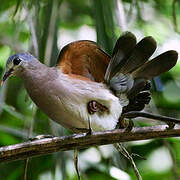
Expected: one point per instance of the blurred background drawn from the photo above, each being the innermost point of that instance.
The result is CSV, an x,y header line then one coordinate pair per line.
x,y
43,27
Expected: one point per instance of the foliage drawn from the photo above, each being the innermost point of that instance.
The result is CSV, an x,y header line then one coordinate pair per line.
x,y
50,19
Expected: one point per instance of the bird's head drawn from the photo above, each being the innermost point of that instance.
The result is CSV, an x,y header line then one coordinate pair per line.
x,y
16,63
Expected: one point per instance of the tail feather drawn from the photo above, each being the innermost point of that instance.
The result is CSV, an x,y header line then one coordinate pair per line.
x,y
122,65
141,53
129,70
124,45
160,64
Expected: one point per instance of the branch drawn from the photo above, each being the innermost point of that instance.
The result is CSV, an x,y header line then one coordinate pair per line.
x,y
50,145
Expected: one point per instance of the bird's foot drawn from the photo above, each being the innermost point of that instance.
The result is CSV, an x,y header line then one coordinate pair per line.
x,y
130,126
42,136
122,123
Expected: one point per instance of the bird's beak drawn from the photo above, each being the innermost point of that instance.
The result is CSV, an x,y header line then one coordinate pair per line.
x,y
6,75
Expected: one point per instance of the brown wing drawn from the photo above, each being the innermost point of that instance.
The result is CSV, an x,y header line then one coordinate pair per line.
x,y
84,59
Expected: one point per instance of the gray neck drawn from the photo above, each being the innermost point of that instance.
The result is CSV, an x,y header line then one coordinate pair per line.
x,y
36,71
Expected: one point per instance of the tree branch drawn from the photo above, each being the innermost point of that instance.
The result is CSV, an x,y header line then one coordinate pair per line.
x,y
50,145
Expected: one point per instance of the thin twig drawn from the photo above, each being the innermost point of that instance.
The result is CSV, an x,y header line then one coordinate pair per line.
x,y
76,163
118,147
132,163
26,161
126,154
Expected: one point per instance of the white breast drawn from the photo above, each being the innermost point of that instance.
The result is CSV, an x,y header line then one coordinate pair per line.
x,y
74,97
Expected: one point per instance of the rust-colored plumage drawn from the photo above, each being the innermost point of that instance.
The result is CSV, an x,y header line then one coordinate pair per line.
x,y
84,60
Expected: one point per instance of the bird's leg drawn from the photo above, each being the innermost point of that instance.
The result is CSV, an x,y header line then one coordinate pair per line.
x,y
76,163
130,126
122,123
90,129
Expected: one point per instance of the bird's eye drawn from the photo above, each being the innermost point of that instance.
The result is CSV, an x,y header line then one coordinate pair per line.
x,y
16,61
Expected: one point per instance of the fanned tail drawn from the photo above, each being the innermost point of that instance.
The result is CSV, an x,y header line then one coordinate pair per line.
x,y
129,70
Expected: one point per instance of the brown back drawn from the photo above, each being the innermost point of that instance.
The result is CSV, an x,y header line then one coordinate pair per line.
x,y
84,59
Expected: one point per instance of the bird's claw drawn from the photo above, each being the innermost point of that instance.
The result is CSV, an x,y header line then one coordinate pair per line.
x,y
130,126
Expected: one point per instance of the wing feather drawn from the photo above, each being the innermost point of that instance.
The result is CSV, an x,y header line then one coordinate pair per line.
x,y
84,59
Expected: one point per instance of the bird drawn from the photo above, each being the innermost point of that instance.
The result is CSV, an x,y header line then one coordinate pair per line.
x,y
89,89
